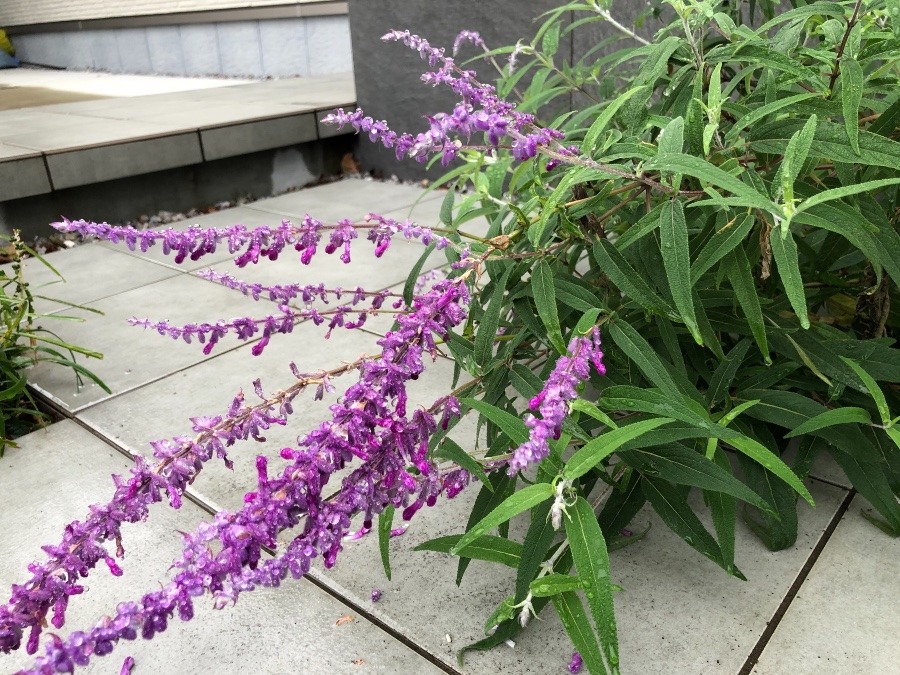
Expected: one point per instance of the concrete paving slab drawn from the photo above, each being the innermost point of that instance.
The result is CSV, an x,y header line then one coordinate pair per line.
x,y
845,619
90,272
86,132
21,177
180,299
241,139
350,198
668,588
53,478
111,84
123,158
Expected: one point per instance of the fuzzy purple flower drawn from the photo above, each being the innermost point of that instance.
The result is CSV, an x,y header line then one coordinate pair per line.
x,y
370,422
575,664
553,400
253,243
479,109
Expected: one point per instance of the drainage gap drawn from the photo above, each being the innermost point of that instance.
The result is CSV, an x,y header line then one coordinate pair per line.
x,y
795,587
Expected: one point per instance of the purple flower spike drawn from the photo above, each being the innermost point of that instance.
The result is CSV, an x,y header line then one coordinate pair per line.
x,y
552,401
479,109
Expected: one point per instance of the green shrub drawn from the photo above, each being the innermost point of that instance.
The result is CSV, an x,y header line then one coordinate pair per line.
x,y
728,213
24,344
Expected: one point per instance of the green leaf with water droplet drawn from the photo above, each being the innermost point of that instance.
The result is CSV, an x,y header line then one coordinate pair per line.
x,y
873,390
592,563
552,584
589,409
513,505
604,445
669,502
603,119
830,418
724,374
766,458
723,509
571,613
794,156
487,547
450,449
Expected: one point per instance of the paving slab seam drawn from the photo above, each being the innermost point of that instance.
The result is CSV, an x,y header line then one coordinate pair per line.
x,y
314,579
785,604
210,508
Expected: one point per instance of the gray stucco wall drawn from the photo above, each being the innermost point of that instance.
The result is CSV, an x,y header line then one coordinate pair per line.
x,y
387,74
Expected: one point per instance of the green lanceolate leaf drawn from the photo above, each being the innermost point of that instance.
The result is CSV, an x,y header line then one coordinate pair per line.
x,y
592,563
633,344
603,119
410,284
785,251
545,301
846,191
538,539
511,425
794,156
550,43
679,464
623,275
766,458
764,111
513,505
723,509
385,521
490,322
831,141
487,547
873,390
589,409
677,262
851,95
604,445
446,214
830,418
703,170
720,244
553,584
725,372
869,480
571,612
669,503
741,279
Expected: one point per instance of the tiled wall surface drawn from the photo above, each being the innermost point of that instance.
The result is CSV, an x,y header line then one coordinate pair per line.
x,y
271,47
19,12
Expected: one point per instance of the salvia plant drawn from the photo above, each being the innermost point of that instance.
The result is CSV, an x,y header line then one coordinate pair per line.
x,y
724,207
26,341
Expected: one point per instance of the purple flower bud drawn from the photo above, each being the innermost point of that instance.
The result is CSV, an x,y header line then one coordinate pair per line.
x,y
575,664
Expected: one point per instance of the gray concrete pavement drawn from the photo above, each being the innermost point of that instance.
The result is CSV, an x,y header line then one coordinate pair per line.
x,y
678,613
